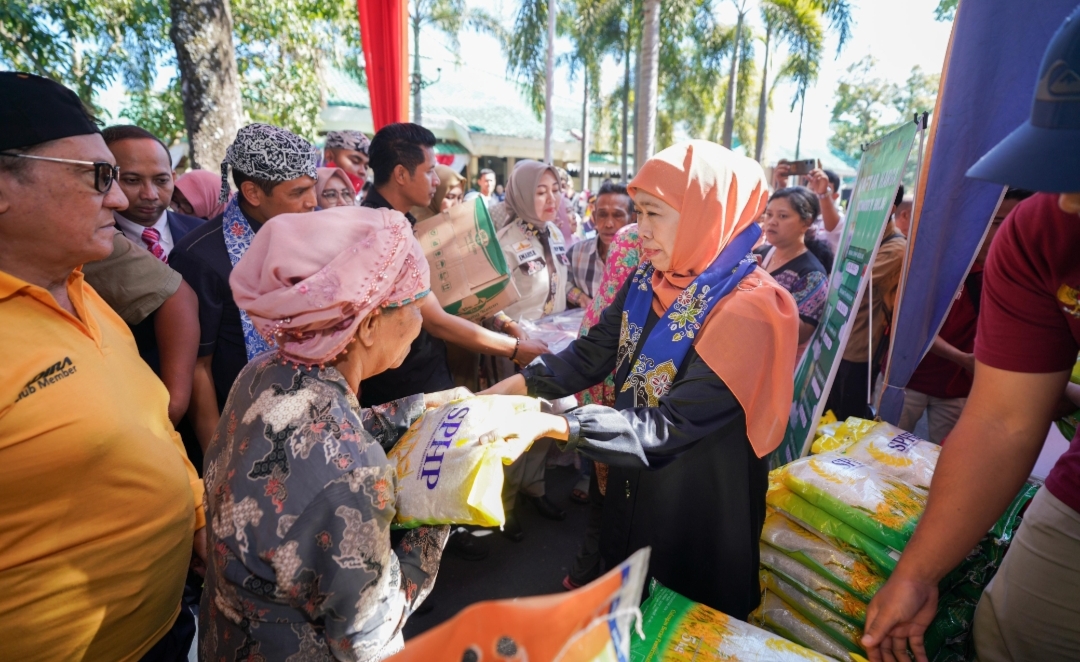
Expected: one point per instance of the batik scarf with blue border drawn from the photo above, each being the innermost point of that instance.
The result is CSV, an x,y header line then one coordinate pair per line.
x,y
653,372
238,236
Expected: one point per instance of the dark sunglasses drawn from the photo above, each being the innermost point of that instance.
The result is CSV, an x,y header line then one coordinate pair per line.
x,y
104,173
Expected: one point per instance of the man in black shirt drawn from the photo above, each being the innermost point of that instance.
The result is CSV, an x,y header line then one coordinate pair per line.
x,y
403,158
274,172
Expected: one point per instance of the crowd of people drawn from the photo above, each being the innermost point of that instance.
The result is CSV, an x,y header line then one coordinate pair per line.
x,y
206,372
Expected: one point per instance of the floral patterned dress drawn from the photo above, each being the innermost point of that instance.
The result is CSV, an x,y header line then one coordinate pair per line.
x,y
624,256
300,497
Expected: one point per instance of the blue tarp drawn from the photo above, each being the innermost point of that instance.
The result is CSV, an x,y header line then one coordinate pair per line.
x,y
987,85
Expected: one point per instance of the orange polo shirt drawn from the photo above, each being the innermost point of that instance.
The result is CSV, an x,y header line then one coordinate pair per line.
x,y
98,501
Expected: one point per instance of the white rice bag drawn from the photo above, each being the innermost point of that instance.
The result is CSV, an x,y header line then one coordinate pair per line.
x,y
445,475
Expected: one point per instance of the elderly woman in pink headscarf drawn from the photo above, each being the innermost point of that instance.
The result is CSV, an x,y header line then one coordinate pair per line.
x,y
301,494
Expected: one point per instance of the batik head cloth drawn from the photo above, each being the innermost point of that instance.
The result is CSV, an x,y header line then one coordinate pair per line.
x,y
269,153
354,140
309,279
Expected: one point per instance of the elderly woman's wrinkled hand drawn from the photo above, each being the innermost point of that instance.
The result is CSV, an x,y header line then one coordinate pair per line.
x,y
433,400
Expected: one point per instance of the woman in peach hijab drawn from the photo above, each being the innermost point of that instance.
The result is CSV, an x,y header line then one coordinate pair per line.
x,y
702,343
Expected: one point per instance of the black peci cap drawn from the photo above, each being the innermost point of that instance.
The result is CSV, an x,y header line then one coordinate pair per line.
x,y
34,110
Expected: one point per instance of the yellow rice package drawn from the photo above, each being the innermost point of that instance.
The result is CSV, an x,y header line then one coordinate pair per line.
x,y
447,473
837,561
875,503
837,628
776,616
839,436
897,453
827,592
678,629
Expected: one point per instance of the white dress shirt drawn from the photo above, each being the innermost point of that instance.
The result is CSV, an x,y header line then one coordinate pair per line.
x,y
133,231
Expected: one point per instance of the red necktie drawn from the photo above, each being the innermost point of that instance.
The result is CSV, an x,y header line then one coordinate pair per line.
x,y
152,239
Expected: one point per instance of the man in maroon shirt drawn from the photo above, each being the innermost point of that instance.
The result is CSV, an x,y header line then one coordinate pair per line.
x,y
941,384
1027,342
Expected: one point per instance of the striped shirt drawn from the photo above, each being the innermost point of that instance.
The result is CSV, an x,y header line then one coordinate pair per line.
x,y
585,272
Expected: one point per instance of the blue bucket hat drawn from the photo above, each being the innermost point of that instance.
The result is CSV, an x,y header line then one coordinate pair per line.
x,y
1043,154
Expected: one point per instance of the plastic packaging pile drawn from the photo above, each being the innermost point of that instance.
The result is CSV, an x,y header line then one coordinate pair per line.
x,y
837,525
448,472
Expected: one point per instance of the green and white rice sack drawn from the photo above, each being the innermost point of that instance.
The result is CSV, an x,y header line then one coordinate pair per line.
x,y
777,616
827,592
875,503
838,628
812,518
841,563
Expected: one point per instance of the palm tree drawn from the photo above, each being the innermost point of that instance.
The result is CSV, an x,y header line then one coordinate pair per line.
x,y
526,53
741,6
549,83
650,60
595,31
796,24
449,17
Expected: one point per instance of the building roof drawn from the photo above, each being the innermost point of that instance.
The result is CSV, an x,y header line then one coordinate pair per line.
x,y
477,111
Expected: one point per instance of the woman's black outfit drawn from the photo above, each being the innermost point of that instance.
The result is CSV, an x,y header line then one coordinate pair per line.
x,y
684,478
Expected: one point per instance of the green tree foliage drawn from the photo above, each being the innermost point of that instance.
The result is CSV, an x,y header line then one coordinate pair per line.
x,y
867,107
946,10
283,48
160,113
86,44
796,26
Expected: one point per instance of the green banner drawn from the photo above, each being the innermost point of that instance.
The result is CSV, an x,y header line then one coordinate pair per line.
x,y
880,170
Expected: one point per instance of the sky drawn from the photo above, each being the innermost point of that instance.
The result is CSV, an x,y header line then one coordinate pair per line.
x,y
898,35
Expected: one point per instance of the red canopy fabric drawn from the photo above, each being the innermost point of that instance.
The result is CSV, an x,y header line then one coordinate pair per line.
x,y
383,32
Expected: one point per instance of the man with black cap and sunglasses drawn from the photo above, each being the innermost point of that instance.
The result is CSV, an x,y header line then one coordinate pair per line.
x,y
99,506
1027,343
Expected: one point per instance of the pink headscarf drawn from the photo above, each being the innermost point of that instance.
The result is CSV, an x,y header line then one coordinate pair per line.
x,y
308,280
326,174
202,188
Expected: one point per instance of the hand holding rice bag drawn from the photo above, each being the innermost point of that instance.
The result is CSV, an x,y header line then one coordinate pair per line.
x,y
776,616
678,629
897,453
839,629
448,472
880,506
828,593
812,518
843,564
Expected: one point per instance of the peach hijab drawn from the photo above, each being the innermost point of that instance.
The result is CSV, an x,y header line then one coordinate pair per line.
x,y
751,336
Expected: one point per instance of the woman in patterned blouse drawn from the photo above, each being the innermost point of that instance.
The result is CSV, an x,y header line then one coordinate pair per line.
x,y
300,494
786,257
